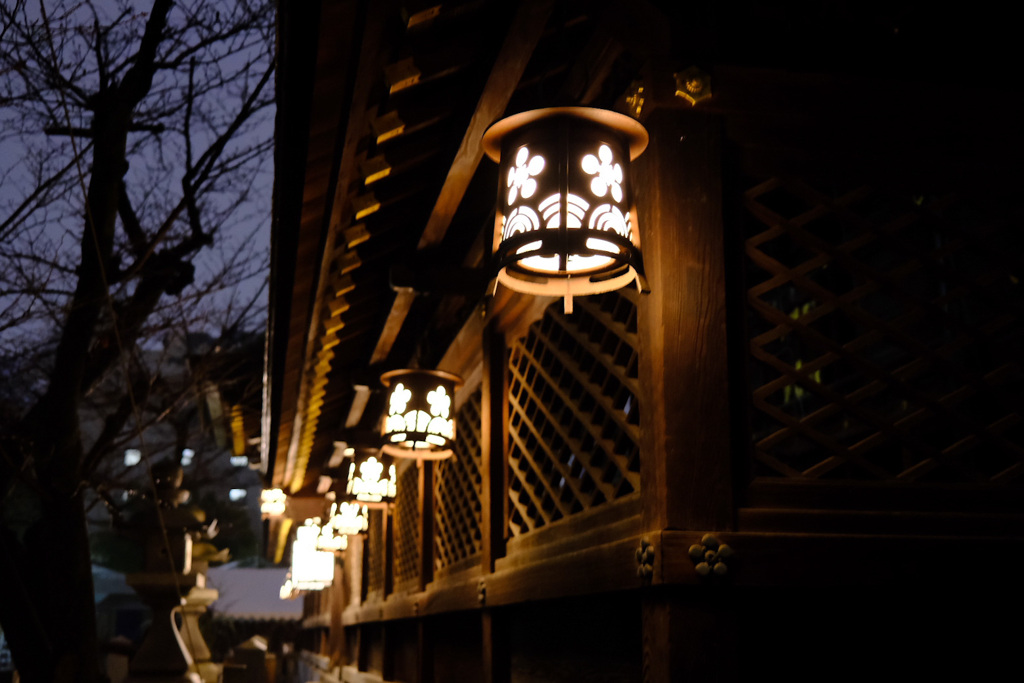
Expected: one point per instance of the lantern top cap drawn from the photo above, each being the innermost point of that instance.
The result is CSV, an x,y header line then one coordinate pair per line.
x,y
386,378
631,129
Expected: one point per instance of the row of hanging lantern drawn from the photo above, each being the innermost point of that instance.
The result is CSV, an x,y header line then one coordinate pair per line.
x,y
315,545
419,423
565,226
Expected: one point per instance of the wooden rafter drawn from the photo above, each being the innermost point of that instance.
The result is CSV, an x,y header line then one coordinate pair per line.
x,y
523,35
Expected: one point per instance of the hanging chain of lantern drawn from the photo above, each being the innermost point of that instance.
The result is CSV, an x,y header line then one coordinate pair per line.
x,y
565,224
372,479
312,568
420,418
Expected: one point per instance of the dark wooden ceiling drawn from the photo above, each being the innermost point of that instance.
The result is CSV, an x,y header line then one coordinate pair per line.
x,y
384,206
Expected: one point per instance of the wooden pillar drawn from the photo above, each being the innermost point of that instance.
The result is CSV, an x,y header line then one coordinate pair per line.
x,y
338,601
684,418
494,432
364,570
387,667
426,502
688,631
424,653
496,655
388,532
690,634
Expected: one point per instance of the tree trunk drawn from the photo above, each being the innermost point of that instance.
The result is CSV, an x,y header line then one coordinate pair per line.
x,y
48,611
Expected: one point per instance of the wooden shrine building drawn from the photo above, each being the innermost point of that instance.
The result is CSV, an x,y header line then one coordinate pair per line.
x,y
825,378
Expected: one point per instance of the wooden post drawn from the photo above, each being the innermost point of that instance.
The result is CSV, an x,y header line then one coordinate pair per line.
x,y
426,501
686,474
388,530
387,667
364,571
684,418
690,635
338,601
496,656
424,653
494,430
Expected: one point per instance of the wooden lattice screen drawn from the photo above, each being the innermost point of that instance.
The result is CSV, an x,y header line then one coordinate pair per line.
x,y
457,491
573,413
885,336
407,523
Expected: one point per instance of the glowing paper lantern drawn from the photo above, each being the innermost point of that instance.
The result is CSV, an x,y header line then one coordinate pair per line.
x,y
272,502
312,569
419,418
565,224
371,478
348,518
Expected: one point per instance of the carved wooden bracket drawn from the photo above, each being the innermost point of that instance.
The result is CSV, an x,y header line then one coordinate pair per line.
x,y
645,560
710,557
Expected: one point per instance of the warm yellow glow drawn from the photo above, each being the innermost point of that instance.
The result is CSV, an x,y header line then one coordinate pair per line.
x,y
564,170
272,502
438,426
419,422
348,518
237,431
312,569
368,483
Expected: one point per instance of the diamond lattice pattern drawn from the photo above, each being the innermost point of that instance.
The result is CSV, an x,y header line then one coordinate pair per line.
x,y
407,525
885,336
573,413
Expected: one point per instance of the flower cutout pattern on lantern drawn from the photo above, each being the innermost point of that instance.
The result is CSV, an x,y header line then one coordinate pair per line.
x,y
440,402
399,399
607,174
520,180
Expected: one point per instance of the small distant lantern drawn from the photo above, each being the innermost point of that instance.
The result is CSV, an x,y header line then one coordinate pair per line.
x,y
348,518
420,414
330,541
312,569
565,224
272,502
372,479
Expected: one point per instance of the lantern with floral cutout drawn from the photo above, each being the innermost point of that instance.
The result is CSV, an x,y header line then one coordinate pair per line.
x,y
348,518
419,419
371,479
565,224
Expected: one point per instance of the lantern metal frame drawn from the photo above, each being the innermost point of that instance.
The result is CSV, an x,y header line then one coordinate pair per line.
x,y
566,225
419,419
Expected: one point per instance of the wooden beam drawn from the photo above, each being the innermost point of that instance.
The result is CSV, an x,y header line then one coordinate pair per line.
x,y
520,42
369,66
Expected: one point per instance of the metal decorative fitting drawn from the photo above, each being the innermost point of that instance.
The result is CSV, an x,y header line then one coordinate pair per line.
x,y
645,560
693,85
635,99
710,557
481,592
